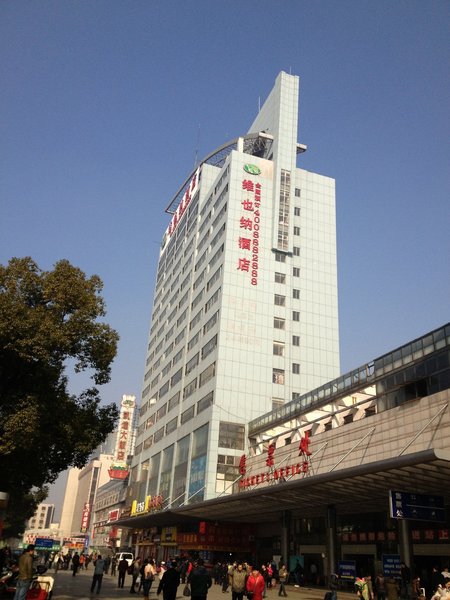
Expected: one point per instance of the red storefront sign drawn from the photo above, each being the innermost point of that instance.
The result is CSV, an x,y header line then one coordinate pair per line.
x,y
85,517
249,223
185,201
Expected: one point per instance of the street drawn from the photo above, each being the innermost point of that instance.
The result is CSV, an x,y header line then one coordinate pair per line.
x,y
67,587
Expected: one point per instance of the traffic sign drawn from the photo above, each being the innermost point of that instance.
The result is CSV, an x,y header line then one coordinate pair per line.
x,y
417,507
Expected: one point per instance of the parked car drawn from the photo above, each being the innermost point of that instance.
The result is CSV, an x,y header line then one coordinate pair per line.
x,y
127,555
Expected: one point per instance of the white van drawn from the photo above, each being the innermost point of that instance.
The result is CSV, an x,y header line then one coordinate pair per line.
x,y
127,555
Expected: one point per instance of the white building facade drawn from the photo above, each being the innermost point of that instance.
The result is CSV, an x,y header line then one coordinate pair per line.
x,y
245,313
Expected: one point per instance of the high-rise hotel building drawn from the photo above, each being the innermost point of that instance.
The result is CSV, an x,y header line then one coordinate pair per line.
x,y
245,313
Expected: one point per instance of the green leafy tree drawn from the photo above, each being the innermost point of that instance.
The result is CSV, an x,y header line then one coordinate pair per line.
x,y
49,323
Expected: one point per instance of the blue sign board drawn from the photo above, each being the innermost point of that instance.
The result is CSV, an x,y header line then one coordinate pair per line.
x,y
347,569
391,565
43,543
197,479
418,507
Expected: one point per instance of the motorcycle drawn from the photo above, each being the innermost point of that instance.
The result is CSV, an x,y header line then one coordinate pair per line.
x,y
9,576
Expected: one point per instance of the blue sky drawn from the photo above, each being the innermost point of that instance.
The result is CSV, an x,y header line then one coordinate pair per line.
x,y
104,105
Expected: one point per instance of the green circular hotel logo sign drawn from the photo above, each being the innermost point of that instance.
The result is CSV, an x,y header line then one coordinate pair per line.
x,y
252,169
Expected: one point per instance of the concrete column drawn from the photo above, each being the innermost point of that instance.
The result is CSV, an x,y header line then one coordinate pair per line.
x,y
331,561
285,536
405,547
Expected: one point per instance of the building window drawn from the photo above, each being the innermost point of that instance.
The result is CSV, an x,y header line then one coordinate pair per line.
x,y
296,368
209,347
279,257
296,230
193,341
187,415
176,377
207,374
171,425
296,251
161,412
277,403
296,272
297,211
278,376
210,323
296,294
297,192
231,435
191,364
295,315
175,400
177,356
280,278
279,300
158,435
205,402
296,340
284,209
278,349
190,389
278,323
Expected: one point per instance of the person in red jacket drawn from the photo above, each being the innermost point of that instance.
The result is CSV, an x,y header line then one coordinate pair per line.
x,y
255,585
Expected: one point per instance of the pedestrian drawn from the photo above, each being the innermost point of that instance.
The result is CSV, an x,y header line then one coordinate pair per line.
x,y
113,565
75,563
107,564
380,587
149,577
135,570
169,582
82,561
122,567
255,585
25,573
99,569
238,579
405,574
282,576
362,589
56,560
200,581
392,588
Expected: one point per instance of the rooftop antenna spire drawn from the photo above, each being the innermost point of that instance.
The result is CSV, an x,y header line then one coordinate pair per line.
x,y
197,145
259,103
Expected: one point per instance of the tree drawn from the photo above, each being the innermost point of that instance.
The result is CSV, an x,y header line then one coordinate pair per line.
x,y
49,322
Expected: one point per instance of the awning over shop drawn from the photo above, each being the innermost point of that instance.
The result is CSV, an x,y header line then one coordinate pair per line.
x,y
361,488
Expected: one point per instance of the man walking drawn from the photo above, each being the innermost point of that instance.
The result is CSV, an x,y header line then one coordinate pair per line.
x,y
200,581
122,567
25,573
238,580
169,582
98,574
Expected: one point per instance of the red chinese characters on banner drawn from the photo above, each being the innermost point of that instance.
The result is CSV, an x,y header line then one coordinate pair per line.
x,y
242,465
270,452
304,446
250,223
85,517
185,201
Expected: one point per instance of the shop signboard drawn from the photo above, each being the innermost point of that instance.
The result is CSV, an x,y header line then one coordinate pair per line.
x,y
44,543
347,569
391,565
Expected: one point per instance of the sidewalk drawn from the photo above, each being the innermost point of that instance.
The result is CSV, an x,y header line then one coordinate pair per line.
x,y
68,587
